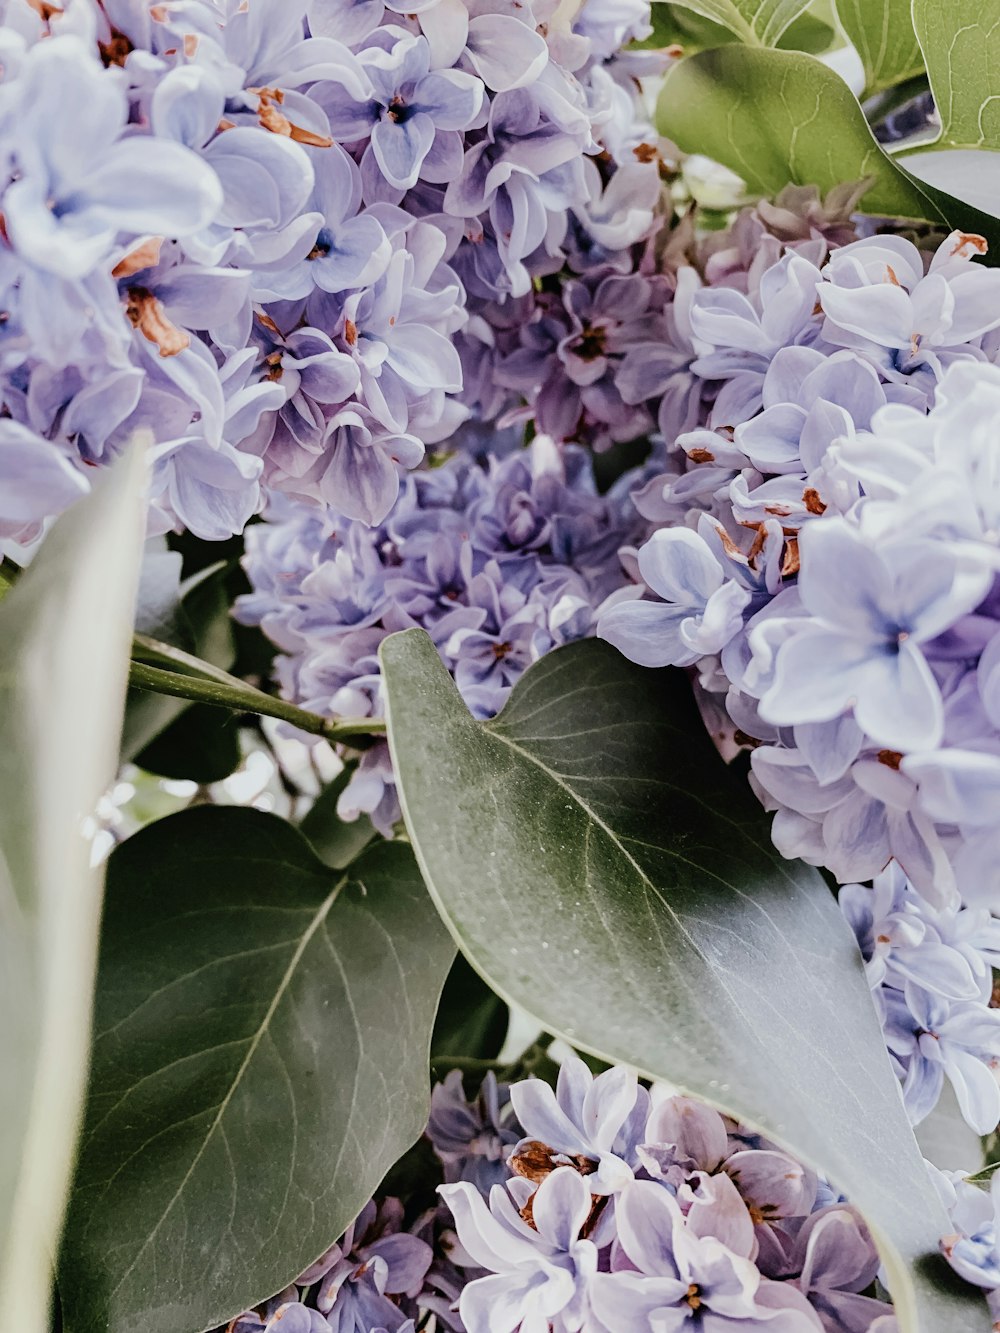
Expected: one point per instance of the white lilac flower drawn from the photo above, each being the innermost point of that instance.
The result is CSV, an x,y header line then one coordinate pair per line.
x,y
700,611
869,611
878,300
499,562
596,1122
266,183
670,1270
540,1273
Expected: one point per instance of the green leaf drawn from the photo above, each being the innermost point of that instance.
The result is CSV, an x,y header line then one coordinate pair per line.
x,y
758,22
201,745
776,117
64,633
810,33
262,1030
882,33
961,46
201,623
600,867
674,25
336,841
472,1019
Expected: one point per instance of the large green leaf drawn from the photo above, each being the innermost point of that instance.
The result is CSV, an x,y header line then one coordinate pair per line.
x,y
262,1030
199,622
600,867
776,117
64,634
677,25
759,22
882,33
336,841
961,47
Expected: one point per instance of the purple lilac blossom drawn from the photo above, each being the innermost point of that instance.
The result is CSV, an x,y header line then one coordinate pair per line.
x,y
704,1224
499,562
826,567
709,1226
368,1281
259,256
473,1139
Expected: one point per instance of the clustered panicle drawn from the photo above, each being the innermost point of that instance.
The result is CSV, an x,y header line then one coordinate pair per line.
x,y
825,562
592,1208
334,262
499,561
258,234
806,388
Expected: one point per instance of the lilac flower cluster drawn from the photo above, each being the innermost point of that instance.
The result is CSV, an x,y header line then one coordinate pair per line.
x,y
589,1209
931,973
368,1282
826,563
248,233
973,1249
616,1213
499,562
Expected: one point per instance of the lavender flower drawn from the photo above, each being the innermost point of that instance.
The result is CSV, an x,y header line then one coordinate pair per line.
x,y
473,1139
262,200
374,1261
668,1274
597,1122
499,564
542,1270
973,1250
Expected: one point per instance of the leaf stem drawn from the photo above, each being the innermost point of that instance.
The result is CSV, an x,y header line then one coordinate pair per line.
x,y
229,692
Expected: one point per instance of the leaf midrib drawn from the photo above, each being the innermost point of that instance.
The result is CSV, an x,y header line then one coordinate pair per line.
x,y
320,916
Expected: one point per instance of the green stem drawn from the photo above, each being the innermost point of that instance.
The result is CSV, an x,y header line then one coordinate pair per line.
x,y
229,692
153,652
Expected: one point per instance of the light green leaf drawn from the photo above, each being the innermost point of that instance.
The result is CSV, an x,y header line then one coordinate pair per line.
x,y
984,1176
262,1030
776,117
64,633
601,868
882,33
677,25
961,46
757,22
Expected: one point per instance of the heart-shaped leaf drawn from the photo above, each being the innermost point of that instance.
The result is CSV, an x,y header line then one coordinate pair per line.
x,y
776,117
961,48
262,1030
882,33
758,22
64,635
598,864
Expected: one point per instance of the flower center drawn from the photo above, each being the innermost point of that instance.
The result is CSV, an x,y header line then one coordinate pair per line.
x,y
323,246
147,315
398,110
